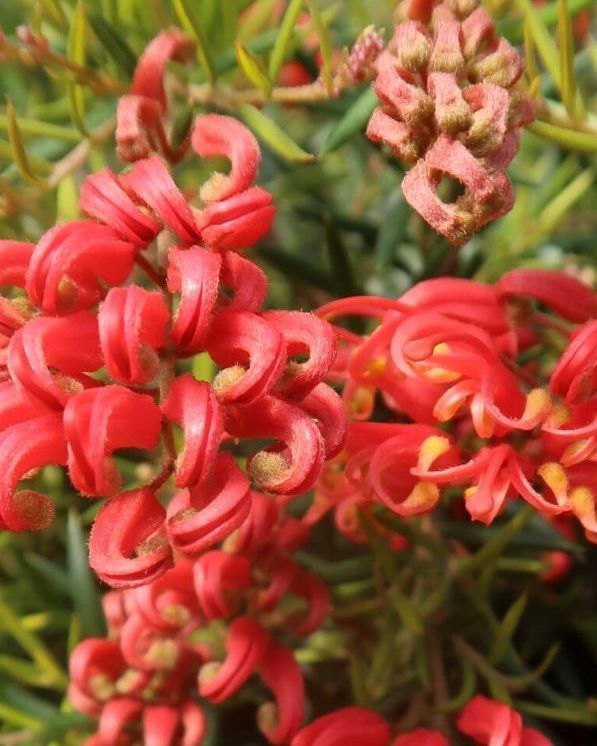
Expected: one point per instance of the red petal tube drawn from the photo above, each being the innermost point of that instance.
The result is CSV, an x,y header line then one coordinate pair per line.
x,y
217,135
351,726
140,130
246,643
194,273
97,422
193,405
238,339
26,446
282,675
239,221
132,323
171,44
14,407
200,518
246,281
116,715
298,466
218,578
304,334
127,546
567,296
160,724
149,182
256,531
73,262
14,262
328,409
102,197
67,345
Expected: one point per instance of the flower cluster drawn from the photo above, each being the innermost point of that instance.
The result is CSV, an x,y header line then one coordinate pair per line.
x,y
204,627
92,362
449,108
518,416
485,721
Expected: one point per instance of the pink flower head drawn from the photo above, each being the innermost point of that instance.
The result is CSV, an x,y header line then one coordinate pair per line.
x,y
453,118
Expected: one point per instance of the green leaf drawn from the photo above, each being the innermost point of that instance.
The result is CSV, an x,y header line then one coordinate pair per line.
x,y
506,629
54,574
13,695
37,128
84,590
67,199
542,38
114,44
568,138
325,44
513,30
566,57
393,226
253,68
254,21
283,38
273,136
76,53
353,121
189,22
18,149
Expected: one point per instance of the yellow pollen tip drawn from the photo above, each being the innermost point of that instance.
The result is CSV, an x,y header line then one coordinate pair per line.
x,y
431,449
555,477
227,378
267,467
208,671
559,415
537,406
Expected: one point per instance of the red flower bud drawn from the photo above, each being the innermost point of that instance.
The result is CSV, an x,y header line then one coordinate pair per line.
x,y
350,726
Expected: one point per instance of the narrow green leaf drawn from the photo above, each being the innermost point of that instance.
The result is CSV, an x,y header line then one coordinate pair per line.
x,y
513,30
84,591
557,208
39,129
24,671
189,22
16,717
325,44
114,44
32,644
253,68
507,629
67,200
543,41
569,138
273,136
529,54
53,574
494,547
76,53
407,612
256,18
283,38
566,57
53,9
353,121
393,226
18,149
15,696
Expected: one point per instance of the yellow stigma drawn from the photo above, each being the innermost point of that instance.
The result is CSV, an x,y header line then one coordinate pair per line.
x,y
555,477
537,406
227,378
267,467
431,449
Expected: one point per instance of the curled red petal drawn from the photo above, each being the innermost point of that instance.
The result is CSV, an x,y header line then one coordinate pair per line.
x,y
246,643
217,135
296,464
194,724
14,262
116,715
555,289
48,357
328,409
169,602
219,578
256,530
350,726
252,352
245,280
149,182
140,130
171,44
194,273
282,675
94,658
73,262
26,446
238,221
160,724
199,519
103,197
574,374
399,136
490,722
99,421
315,593
127,545
193,405
132,324
305,334
281,574
15,407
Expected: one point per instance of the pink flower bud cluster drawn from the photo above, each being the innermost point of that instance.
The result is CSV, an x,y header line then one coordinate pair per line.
x,y
449,107
92,363
518,417
207,626
486,721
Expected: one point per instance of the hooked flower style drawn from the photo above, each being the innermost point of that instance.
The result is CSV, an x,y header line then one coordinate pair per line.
x,y
450,108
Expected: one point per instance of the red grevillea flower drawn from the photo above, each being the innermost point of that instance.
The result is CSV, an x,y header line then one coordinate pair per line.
x,y
139,119
445,84
351,726
281,673
127,545
493,723
219,580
